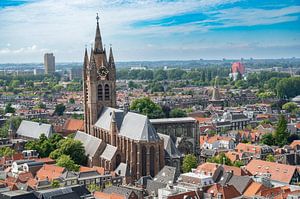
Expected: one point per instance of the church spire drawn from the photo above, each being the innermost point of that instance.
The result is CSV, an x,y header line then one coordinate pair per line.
x,y
86,59
111,57
98,40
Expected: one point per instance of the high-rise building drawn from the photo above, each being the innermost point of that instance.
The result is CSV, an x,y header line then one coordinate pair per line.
x,y
49,62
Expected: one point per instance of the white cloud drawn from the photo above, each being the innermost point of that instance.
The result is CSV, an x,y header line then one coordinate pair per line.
x,y
29,49
65,26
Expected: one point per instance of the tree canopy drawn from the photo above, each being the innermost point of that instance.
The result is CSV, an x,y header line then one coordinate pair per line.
x,y
43,145
72,148
290,107
67,162
59,109
281,134
189,162
176,112
147,107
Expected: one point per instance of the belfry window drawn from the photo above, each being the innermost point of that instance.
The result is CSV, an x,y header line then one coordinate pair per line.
x,y
106,91
100,92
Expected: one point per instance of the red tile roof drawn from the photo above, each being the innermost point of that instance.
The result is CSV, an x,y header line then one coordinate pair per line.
x,y
279,172
102,195
254,189
227,191
73,125
242,147
295,143
49,171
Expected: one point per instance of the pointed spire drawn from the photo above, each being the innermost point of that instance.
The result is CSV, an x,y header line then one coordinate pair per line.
x,y
86,59
92,63
111,57
98,40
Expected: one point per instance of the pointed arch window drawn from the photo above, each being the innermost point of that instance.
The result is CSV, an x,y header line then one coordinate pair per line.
x,y
100,92
106,92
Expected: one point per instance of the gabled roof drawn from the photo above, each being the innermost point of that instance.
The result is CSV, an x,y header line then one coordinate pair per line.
x,y
228,191
119,190
138,127
122,170
279,172
109,152
91,144
105,118
88,174
166,175
73,125
240,183
169,146
254,188
69,175
34,129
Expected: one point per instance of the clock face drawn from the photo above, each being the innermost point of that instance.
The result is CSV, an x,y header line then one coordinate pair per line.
x,y
102,71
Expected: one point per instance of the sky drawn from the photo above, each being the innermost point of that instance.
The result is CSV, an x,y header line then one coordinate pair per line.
x,y
141,30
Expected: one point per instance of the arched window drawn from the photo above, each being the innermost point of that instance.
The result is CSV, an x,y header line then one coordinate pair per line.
x,y
152,161
100,92
144,161
106,92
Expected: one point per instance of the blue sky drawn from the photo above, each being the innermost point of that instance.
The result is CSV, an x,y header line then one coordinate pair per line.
x,y
150,29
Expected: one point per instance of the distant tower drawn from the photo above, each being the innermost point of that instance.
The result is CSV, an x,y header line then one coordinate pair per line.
x,y
49,63
11,131
99,76
216,92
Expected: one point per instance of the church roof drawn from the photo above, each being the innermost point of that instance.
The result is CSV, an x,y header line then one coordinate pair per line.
x,y
34,129
122,170
170,147
91,144
138,127
133,125
105,118
109,152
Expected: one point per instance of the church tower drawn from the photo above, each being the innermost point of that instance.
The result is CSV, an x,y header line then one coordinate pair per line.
x,y
99,81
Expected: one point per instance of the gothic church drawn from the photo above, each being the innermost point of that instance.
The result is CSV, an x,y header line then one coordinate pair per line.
x,y
114,137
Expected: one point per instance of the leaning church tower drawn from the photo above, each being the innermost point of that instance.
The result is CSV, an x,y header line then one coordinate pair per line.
x,y
99,81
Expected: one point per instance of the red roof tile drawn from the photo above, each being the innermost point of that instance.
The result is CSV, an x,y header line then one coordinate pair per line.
x,y
279,172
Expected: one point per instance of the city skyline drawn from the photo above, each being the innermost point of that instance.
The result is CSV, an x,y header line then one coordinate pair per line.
x,y
150,30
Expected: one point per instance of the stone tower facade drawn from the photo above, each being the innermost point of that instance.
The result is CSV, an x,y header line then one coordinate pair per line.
x,y
99,82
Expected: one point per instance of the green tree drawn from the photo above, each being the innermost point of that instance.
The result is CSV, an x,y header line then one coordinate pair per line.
x,y
93,187
41,105
147,107
268,139
59,109
9,108
66,162
290,107
288,87
160,75
15,83
6,151
270,158
72,101
220,159
281,134
176,112
43,145
238,163
55,184
71,147
189,162
16,121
